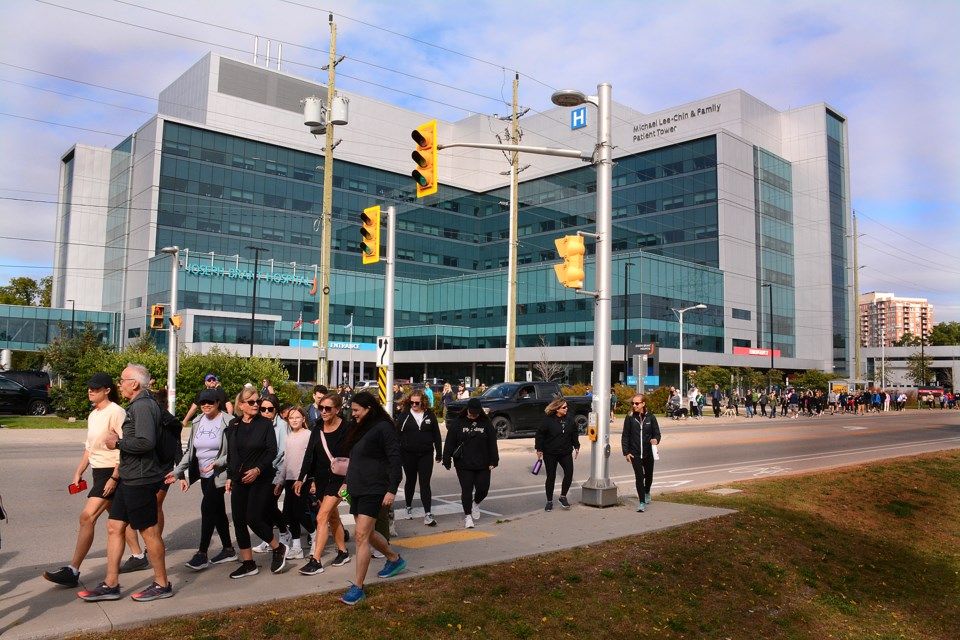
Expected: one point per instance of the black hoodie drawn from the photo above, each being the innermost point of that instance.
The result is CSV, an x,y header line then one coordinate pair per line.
x,y
422,438
479,441
557,437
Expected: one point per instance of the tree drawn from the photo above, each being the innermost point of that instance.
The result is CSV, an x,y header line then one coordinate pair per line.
x,y
23,291
46,291
545,368
918,368
945,333
811,379
706,377
907,340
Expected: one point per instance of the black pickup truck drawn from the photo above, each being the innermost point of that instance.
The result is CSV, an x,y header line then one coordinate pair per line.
x,y
517,408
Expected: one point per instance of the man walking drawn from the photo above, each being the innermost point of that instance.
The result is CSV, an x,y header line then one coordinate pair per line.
x,y
715,396
210,381
135,501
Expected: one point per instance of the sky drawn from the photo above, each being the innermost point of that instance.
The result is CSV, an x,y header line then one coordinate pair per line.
x,y
90,72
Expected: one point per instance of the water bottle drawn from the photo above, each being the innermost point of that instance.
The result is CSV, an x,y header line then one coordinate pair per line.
x,y
343,493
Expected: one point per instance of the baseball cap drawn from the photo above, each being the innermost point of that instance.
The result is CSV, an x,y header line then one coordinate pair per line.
x,y
208,395
100,381
209,377
474,406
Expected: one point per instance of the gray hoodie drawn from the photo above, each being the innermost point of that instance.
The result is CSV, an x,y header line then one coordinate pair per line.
x,y
138,446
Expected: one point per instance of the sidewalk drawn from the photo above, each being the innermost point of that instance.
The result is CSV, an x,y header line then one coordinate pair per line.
x,y
31,607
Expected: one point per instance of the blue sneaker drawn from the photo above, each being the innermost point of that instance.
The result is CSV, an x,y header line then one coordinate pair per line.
x,y
392,568
353,595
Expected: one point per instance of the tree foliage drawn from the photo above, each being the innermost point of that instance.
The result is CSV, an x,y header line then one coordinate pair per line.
x,y
945,334
918,368
811,379
907,340
27,291
706,377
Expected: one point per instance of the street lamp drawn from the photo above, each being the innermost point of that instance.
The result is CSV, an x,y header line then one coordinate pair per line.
x,y
73,313
172,347
598,490
680,313
769,286
626,311
253,310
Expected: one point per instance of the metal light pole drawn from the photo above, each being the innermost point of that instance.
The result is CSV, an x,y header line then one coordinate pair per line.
x,y
388,300
73,314
769,286
253,307
680,313
599,490
626,311
172,347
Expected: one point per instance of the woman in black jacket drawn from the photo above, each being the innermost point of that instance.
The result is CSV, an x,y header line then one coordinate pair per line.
x,y
372,480
419,447
472,446
640,433
557,442
251,449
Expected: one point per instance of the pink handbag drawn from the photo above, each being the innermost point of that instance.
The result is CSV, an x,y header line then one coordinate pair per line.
x,y
338,466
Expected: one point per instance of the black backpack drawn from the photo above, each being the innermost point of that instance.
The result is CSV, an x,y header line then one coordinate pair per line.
x,y
169,447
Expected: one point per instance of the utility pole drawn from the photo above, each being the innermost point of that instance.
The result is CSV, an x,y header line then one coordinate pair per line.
x,y
511,339
172,347
856,301
323,324
626,314
388,304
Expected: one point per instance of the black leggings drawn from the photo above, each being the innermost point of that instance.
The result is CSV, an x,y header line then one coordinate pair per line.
x,y
474,485
274,516
251,504
550,464
213,514
643,470
296,510
417,465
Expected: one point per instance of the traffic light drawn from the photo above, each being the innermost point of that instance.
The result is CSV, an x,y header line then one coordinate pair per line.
x,y
156,316
176,320
425,156
370,235
570,273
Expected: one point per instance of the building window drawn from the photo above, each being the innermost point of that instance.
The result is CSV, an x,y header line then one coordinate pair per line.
x,y
741,314
737,342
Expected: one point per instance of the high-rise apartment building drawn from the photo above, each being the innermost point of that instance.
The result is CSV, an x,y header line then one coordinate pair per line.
x,y
884,318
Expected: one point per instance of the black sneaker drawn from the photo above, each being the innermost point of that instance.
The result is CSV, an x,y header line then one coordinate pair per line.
x,y
198,562
133,563
154,592
227,555
279,558
312,568
100,592
564,504
549,506
64,576
343,557
246,568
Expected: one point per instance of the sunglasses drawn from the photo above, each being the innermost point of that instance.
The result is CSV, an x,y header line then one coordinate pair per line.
x,y
416,402
267,409
252,403
326,408
640,402
207,403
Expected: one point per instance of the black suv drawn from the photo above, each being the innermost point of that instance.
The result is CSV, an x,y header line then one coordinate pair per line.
x,y
31,379
15,398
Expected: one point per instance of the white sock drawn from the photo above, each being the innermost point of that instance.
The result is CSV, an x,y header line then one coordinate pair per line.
x,y
74,569
141,556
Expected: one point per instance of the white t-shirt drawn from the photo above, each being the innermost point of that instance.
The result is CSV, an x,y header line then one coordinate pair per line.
x,y
99,424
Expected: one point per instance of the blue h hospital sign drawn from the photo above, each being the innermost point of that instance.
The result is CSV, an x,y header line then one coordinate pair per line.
x,y
578,117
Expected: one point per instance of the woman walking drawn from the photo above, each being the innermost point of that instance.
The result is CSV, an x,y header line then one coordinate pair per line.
x,y
471,445
419,446
107,417
251,450
372,480
327,436
206,461
557,442
640,433
269,409
295,506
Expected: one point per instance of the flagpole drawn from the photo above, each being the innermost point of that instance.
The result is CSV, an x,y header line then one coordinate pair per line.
x,y
299,345
350,351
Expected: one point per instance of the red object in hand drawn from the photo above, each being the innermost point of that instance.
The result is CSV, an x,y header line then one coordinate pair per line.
x,y
77,488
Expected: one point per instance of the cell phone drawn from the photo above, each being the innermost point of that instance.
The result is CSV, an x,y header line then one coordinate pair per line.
x,y
78,487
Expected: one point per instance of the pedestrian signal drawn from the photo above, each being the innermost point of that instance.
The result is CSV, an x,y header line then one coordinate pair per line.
x,y
370,235
570,273
425,155
156,316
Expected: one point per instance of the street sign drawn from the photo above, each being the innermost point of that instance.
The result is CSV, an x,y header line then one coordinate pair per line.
x,y
578,118
382,359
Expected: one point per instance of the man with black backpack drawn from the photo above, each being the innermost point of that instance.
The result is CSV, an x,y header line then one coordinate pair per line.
x,y
135,498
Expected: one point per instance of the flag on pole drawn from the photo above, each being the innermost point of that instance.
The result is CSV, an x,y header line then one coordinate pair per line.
x,y
317,321
299,322
349,325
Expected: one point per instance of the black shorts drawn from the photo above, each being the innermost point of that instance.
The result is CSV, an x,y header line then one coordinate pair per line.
x,y
332,486
100,477
136,504
366,505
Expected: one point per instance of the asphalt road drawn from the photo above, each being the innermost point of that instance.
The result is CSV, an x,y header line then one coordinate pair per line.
x,y
36,466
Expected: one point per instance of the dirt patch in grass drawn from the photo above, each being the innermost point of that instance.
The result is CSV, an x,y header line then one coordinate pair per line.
x,y
865,552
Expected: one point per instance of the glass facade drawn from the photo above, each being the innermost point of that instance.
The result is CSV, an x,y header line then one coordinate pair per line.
x,y
115,252
773,190
66,198
24,328
220,193
836,144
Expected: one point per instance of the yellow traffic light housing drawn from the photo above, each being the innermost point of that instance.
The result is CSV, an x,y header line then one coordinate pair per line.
x,y
570,273
425,156
176,321
370,235
156,316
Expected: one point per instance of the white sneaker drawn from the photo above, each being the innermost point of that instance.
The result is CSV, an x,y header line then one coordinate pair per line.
x,y
409,513
468,522
376,554
475,512
429,520
295,552
263,547
286,539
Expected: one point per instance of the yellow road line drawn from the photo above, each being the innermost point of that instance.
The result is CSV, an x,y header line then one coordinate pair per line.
x,y
435,539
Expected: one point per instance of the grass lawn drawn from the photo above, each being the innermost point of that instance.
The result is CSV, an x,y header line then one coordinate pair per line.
x,y
866,552
40,422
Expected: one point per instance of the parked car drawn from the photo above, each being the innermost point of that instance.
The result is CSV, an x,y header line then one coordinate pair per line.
x,y
15,398
517,408
31,379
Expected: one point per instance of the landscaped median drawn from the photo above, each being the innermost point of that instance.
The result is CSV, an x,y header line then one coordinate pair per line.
x,y
871,551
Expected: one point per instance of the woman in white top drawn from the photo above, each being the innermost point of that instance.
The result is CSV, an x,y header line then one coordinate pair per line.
x,y
206,460
295,505
107,416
